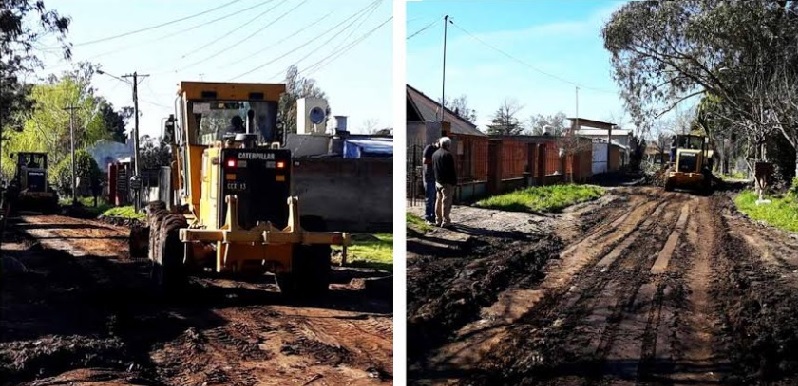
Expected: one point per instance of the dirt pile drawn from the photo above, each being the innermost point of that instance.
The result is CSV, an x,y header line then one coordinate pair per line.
x,y
446,294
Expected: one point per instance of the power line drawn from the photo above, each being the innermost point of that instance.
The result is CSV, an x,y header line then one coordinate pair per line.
x,y
276,43
529,65
224,49
258,16
325,43
309,42
422,29
344,41
155,26
335,55
169,35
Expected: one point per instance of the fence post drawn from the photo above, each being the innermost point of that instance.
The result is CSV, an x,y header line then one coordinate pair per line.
x,y
541,170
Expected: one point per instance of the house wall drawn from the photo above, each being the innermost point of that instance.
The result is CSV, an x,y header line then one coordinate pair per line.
x,y
352,195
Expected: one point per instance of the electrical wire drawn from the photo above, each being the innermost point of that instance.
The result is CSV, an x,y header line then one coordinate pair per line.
x,y
344,40
155,26
171,34
325,43
336,54
226,49
529,65
276,43
309,42
189,53
422,29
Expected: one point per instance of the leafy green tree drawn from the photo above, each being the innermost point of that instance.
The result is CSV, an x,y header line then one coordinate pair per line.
x,y
154,153
741,52
22,24
86,170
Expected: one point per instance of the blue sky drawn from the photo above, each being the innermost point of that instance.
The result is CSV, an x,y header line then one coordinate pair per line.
x,y
357,82
561,38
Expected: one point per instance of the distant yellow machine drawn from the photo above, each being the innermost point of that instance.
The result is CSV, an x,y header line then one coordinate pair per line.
x,y
691,164
30,189
233,208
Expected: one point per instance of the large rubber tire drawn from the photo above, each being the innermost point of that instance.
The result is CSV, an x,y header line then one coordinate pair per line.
x,y
311,271
171,253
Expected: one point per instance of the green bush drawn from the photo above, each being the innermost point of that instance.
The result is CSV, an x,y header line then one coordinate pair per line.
x,y
794,188
86,170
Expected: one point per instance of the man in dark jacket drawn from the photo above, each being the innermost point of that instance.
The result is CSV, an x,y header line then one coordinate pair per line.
x,y
445,182
429,182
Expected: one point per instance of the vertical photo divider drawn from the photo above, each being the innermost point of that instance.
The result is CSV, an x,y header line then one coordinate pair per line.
x,y
399,200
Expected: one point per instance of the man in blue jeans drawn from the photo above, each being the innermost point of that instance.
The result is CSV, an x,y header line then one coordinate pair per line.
x,y
429,182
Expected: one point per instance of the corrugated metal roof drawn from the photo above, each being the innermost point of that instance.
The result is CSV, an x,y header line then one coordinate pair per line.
x,y
428,110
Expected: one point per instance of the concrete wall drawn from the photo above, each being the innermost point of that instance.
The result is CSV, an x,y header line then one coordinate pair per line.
x,y
353,195
303,145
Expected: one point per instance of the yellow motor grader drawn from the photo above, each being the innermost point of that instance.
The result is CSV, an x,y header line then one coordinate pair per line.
x,y
230,206
691,164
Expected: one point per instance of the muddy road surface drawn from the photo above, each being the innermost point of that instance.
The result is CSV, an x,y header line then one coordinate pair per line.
x,y
77,310
641,286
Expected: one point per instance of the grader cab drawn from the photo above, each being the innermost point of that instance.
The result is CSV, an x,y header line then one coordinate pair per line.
x,y
231,207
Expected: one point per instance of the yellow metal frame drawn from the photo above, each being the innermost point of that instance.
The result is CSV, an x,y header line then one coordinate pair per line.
x,y
263,242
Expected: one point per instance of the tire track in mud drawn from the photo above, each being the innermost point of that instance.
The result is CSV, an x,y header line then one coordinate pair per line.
x,y
619,318
755,302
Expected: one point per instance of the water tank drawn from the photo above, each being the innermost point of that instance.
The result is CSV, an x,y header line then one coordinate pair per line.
x,y
340,123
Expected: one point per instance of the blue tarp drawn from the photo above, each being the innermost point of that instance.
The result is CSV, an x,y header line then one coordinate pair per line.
x,y
360,148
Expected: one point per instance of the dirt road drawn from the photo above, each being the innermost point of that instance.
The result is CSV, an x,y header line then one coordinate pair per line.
x,y
642,286
82,311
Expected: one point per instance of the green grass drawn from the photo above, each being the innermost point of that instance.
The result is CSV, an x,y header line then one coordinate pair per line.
x,y
552,199
417,224
124,211
88,204
370,251
781,213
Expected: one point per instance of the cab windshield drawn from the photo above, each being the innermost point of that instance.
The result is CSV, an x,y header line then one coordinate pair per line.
x,y
690,142
211,121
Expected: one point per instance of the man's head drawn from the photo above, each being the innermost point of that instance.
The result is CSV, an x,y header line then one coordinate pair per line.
x,y
237,122
445,142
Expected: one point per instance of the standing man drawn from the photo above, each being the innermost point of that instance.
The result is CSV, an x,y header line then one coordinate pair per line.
x,y
429,182
445,181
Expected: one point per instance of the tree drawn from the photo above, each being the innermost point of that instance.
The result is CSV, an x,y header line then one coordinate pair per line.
x,y
46,128
297,87
86,171
22,24
554,125
115,120
461,108
741,53
370,126
154,153
504,119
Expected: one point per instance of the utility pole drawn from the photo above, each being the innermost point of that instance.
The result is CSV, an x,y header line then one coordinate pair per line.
x,y
577,109
71,110
136,165
443,92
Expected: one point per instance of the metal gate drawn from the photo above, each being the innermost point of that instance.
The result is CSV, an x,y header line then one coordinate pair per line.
x,y
415,165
